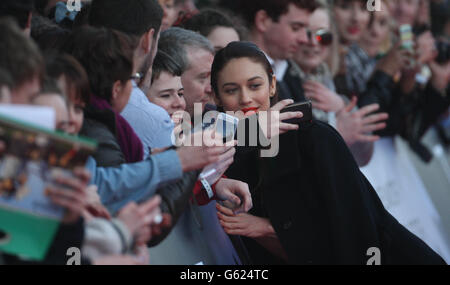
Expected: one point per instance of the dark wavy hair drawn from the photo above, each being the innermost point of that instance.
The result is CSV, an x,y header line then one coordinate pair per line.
x,y
207,20
165,63
58,65
106,55
20,57
237,50
134,17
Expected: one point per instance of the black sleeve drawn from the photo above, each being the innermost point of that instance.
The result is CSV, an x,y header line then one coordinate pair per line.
x,y
433,104
174,199
379,91
68,235
108,152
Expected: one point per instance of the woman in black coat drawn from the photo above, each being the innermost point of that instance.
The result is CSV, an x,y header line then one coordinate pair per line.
x,y
312,203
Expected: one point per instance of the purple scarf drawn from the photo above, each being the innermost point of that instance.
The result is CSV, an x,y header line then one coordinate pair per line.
x,y
129,142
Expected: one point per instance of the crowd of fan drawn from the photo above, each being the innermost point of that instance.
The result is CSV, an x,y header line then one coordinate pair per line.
x,y
126,72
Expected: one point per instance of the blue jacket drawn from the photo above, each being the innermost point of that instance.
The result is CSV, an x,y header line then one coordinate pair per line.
x,y
134,182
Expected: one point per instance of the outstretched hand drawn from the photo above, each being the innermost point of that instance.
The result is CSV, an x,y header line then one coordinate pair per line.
x,y
358,126
323,98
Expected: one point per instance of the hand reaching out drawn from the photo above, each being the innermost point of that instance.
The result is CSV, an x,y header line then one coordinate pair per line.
x,y
211,150
219,168
140,218
396,60
323,98
358,126
94,205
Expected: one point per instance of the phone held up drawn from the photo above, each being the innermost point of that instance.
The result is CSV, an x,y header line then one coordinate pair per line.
x,y
304,107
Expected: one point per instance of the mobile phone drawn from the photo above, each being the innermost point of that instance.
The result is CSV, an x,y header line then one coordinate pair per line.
x,y
406,37
304,107
226,125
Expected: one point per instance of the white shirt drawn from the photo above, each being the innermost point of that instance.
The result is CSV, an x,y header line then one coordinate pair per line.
x,y
151,123
279,67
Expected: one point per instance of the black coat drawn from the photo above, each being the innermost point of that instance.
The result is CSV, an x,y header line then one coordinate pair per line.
x,y
321,206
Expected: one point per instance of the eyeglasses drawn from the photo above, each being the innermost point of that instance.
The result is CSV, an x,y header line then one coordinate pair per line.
x,y
322,36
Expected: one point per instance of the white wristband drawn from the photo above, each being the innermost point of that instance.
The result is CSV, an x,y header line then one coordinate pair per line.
x,y
207,187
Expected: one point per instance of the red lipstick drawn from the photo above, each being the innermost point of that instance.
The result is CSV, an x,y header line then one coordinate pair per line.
x,y
246,110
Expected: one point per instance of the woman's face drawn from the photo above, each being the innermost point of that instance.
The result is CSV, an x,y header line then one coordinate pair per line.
x,y
404,11
76,116
352,18
168,93
57,103
220,37
243,85
170,14
377,32
75,107
312,54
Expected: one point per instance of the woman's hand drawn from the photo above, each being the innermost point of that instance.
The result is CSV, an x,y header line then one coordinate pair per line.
x,y
272,125
244,224
323,98
236,193
257,228
396,60
358,126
